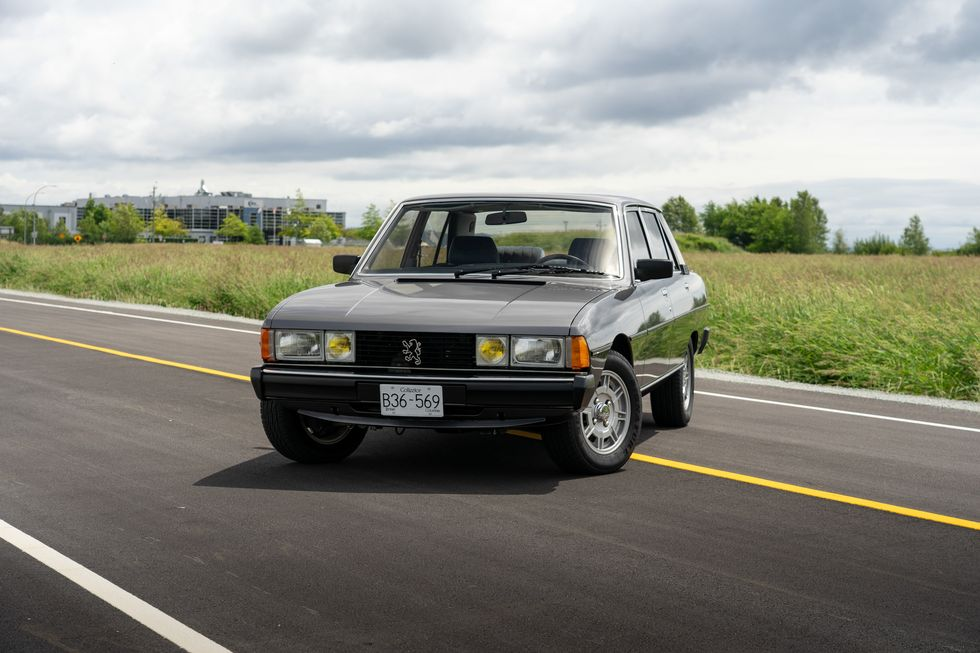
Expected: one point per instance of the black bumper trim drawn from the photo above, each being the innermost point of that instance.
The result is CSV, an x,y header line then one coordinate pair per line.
x,y
345,388
423,422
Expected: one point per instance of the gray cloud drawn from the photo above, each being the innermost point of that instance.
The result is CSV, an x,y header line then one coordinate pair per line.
x,y
416,30
658,99
954,44
653,64
11,10
296,142
351,30
651,39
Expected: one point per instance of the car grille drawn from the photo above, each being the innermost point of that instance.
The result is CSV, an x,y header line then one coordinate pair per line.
x,y
438,350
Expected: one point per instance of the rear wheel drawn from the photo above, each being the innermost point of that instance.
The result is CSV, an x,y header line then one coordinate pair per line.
x,y
308,440
672,400
600,438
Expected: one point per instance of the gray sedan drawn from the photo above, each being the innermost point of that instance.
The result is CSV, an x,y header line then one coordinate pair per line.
x,y
554,313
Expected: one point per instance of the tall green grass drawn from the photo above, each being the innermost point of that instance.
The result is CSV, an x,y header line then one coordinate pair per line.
x,y
901,324
245,280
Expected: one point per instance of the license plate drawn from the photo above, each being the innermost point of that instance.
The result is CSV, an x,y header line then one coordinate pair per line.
x,y
411,400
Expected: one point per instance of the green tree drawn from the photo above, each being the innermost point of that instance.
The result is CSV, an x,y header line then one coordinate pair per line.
x,y
757,225
876,245
18,220
295,225
914,239
24,223
94,222
232,228
60,234
324,228
769,225
370,222
298,219
167,227
299,205
972,245
254,236
680,215
712,216
808,227
124,224
840,245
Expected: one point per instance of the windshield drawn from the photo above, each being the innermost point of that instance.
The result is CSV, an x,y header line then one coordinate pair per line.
x,y
499,238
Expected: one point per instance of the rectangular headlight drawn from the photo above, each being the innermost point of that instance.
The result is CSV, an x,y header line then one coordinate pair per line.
x,y
548,352
294,345
491,351
339,346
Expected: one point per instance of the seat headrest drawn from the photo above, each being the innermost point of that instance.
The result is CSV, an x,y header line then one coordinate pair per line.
x,y
590,250
473,249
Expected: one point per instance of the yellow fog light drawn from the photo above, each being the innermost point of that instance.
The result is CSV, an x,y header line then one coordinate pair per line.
x,y
340,346
491,350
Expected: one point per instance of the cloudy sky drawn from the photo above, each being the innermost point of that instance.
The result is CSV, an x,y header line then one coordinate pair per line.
x,y
873,106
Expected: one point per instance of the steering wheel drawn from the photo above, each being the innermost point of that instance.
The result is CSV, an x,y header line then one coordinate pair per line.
x,y
567,257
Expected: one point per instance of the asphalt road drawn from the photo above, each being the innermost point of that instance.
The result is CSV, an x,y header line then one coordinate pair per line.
x,y
161,481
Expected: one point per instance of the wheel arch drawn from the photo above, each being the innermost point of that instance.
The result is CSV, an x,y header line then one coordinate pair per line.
x,y
623,346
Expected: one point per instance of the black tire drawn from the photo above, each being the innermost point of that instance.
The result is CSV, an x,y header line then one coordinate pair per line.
x,y
571,446
671,403
308,440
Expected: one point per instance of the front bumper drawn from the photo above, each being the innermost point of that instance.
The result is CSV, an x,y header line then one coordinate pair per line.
x,y
472,400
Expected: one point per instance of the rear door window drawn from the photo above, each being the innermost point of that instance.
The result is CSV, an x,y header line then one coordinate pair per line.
x,y
658,247
638,242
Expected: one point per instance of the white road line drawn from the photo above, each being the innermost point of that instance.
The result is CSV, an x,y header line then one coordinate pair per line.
x,y
839,412
135,317
138,609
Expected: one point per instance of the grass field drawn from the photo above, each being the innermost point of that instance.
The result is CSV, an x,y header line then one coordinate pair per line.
x,y
901,324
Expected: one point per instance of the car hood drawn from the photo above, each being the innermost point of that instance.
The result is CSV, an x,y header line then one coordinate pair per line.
x,y
438,306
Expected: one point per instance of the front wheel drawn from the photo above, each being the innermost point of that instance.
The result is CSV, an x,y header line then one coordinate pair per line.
x,y
599,438
308,440
672,400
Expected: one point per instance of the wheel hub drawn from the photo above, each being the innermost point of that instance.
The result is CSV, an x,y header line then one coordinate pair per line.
x,y
601,411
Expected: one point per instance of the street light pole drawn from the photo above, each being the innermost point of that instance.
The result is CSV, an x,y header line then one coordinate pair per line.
x,y
34,211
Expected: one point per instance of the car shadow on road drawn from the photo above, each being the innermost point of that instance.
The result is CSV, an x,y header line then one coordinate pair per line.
x,y
415,462
648,429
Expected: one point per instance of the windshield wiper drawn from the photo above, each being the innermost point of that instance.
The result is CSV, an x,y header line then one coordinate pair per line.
x,y
530,269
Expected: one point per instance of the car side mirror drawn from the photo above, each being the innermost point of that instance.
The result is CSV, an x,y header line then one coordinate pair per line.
x,y
653,268
345,263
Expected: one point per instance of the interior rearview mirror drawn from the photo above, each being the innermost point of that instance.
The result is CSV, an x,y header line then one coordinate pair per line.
x,y
506,217
653,268
345,263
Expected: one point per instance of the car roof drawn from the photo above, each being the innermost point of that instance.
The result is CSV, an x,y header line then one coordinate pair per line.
x,y
561,197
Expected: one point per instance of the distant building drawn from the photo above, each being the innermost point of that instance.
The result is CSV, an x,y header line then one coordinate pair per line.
x,y
201,212
50,213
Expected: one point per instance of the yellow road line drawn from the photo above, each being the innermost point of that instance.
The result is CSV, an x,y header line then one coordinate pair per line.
x,y
663,462
123,354
810,492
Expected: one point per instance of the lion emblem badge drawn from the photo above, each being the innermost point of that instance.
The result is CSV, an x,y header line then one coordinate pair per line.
x,y
412,349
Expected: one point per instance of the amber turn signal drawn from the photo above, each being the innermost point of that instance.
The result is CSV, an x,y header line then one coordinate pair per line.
x,y
266,339
580,353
